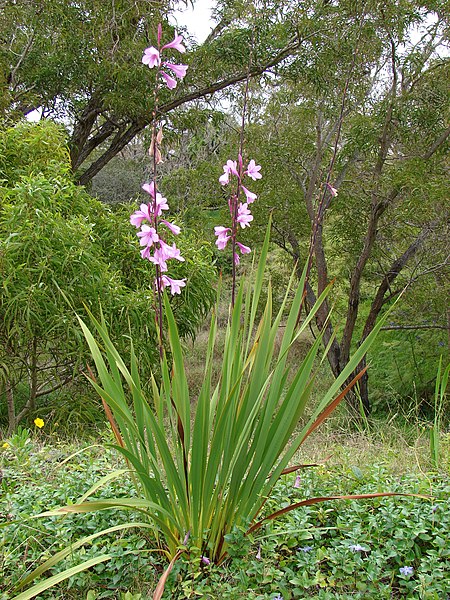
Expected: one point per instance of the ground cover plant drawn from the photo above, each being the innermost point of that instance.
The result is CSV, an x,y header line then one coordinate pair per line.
x,y
348,549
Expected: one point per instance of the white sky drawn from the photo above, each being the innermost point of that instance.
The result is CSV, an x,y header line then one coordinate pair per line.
x,y
197,21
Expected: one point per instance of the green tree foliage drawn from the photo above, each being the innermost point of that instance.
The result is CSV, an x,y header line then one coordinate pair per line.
x,y
368,105
80,62
61,252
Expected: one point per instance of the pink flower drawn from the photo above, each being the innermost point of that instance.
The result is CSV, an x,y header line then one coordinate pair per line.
x,y
170,251
251,197
253,170
297,482
173,228
244,215
159,258
223,179
161,203
243,249
175,253
151,57
170,81
222,237
176,44
231,167
145,253
149,188
179,70
333,191
175,284
148,236
141,215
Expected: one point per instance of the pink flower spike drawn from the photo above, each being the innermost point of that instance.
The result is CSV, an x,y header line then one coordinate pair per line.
x,y
179,70
173,228
243,249
244,215
159,34
253,170
141,215
148,236
170,81
151,57
224,179
176,44
175,284
251,197
333,191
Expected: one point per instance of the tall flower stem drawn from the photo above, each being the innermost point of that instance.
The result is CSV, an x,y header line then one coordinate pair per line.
x,y
234,200
158,303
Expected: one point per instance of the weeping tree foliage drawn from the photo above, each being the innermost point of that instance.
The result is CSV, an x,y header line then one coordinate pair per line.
x,y
61,252
81,62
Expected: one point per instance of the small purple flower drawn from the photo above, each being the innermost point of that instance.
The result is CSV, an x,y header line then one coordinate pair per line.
x,y
357,548
297,482
305,549
406,571
148,236
173,228
278,597
258,554
205,560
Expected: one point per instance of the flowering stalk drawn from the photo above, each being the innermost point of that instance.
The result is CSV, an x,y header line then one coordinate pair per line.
x,y
239,211
149,217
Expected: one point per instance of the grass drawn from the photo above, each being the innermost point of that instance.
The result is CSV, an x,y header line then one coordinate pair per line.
x,y
305,554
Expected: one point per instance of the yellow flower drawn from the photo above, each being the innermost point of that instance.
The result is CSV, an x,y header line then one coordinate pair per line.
x,y
39,423
5,445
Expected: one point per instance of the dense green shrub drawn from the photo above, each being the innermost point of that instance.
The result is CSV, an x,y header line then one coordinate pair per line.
x,y
61,251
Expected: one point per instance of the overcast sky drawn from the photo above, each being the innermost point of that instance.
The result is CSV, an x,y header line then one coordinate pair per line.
x,y
197,21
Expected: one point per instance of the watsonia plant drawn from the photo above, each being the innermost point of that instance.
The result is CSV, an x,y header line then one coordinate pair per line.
x,y
204,467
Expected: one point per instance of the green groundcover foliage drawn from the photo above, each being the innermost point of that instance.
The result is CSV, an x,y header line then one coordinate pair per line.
x,y
61,251
339,550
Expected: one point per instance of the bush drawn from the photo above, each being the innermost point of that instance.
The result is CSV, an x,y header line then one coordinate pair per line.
x,y
61,252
